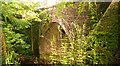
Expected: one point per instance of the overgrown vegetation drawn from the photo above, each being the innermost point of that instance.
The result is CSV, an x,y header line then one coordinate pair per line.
x,y
98,46
17,21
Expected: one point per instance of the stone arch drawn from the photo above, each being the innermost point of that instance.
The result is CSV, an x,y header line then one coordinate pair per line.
x,y
50,39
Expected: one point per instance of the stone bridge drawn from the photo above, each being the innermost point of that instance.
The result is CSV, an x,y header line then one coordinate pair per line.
x,y
52,34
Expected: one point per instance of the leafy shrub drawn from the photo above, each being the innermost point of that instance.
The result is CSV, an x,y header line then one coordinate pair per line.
x,y
17,21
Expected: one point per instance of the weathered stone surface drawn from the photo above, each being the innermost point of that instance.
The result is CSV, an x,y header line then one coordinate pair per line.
x,y
70,16
52,34
50,40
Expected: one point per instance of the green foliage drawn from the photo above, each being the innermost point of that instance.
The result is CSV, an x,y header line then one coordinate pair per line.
x,y
17,21
60,7
15,40
98,47
19,14
11,58
81,7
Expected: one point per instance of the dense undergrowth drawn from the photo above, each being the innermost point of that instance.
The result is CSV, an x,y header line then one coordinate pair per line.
x,y
97,47
17,20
